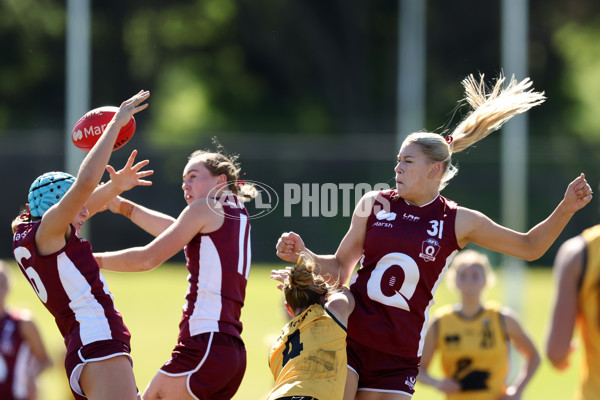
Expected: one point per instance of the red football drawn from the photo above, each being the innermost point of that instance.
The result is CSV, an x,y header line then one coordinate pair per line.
x,y
91,126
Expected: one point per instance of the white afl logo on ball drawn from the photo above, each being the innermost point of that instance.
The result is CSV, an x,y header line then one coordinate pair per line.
x,y
77,135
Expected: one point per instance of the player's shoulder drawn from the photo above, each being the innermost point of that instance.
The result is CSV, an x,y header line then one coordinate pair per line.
x,y
203,209
444,311
571,256
340,304
592,233
19,314
493,306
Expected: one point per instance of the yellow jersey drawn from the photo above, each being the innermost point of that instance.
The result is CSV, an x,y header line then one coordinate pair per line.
x,y
309,358
474,351
588,316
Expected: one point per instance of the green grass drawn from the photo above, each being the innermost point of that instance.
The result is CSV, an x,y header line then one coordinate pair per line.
x,y
151,306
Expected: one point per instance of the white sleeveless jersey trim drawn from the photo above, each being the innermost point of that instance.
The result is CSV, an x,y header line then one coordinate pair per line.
x,y
21,377
207,308
93,325
105,287
248,253
243,224
432,302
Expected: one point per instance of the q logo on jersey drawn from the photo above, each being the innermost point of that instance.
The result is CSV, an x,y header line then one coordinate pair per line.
x,y
394,280
429,249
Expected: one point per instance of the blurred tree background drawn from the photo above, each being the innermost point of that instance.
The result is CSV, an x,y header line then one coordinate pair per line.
x,y
304,91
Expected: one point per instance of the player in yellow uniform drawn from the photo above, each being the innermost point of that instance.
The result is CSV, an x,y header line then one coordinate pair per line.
x,y
472,339
577,276
308,360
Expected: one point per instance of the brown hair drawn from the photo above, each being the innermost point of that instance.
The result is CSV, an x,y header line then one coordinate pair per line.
x,y
303,287
218,163
24,216
491,109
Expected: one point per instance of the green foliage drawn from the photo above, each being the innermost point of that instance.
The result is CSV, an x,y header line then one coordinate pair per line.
x,y
580,47
28,29
182,98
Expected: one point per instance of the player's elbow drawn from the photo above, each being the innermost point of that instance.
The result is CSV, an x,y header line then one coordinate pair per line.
x,y
532,258
534,360
532,253
148,261
557,357
147,264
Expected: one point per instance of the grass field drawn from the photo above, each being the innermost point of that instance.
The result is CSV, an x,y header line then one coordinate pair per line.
x,y
151,306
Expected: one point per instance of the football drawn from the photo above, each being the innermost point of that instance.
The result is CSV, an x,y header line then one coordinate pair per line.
x,y
91,126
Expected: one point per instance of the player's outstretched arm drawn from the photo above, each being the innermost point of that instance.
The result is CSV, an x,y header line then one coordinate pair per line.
x,y
56,221
193,219
474,226
152,221
130,176
338,267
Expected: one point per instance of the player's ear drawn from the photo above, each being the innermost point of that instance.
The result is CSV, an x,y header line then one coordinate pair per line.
x,y
435,169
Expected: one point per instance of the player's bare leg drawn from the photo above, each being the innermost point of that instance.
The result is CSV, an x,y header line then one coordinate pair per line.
x,y
367,395
165,387
351,385
109,379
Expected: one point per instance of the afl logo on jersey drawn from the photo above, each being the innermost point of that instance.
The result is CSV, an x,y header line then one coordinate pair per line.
x,y
429,249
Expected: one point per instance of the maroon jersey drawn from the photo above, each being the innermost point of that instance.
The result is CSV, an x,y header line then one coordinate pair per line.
x,y
70,285
406,251
15,359
219,264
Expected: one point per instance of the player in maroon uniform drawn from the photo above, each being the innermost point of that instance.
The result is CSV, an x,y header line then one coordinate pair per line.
x,y
407,236
64,274
23,355
209,359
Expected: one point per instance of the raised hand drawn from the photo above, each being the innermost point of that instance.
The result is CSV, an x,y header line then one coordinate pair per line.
x,y
280,275
448,386
289,245
130,107
578,194
130,175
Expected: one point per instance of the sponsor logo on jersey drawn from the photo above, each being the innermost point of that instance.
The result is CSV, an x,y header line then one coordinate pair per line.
x,y
429,249
384,224
410,217
410,382
452,340
382,215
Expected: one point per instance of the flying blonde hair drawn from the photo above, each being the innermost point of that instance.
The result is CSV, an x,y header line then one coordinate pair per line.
x,y
492,107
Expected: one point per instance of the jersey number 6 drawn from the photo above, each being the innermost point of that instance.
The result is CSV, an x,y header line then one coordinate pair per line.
x,y
31,274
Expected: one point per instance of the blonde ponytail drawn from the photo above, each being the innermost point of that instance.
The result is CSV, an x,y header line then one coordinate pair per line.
x,y
492,108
